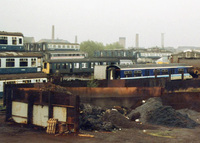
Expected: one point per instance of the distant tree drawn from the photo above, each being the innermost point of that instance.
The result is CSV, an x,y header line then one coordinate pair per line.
x,y
113,46
91,46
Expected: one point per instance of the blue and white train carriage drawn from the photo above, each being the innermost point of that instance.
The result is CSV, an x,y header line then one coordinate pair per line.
x,y
20,67
20,62
141,71
24,78
11,41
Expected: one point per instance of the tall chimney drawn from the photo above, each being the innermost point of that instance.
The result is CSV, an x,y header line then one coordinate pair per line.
x,y
53,32
137,41
162,40
76,39
122,42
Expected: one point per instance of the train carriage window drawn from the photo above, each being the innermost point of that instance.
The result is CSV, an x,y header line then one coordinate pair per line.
x,y
180,70
20,40
92,65
147,72
76,65
165,71
172,71
97,63
10,62
10,82
3,40
156,71
26,81
45,65
23,62
137,73
14,40
85,65
39,62
128,73
57,66
64,66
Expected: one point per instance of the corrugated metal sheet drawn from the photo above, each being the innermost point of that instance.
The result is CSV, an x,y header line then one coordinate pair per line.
x,y
40,115
19,112
60,113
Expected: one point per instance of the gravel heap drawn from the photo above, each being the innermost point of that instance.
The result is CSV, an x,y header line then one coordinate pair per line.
x,y
142,111
91,118
168,116
97,118
194,115
154,112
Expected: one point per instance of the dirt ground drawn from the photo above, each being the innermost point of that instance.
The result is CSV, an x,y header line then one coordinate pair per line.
x,y
10,132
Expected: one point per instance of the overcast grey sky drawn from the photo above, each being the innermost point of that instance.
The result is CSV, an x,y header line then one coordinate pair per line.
x,y
105,20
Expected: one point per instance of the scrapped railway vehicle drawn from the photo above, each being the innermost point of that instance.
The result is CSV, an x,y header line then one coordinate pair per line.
x,y
55,55
21,79
141,71
11,41
76,66
20,62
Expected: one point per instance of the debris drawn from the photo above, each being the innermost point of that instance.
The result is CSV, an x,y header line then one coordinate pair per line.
x,y
86,135
194,115
153,112
91,118
116,118
62,128
134,116
168,116
142,111
159,135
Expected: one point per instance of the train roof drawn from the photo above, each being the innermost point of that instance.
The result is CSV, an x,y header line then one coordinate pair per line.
x,y
20,54
152,66
84,60
65,52
22,76
11,33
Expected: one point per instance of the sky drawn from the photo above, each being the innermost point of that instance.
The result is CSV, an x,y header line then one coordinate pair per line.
x,y
105,20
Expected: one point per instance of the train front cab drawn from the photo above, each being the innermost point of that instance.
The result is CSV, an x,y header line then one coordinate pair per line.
x,y
113,72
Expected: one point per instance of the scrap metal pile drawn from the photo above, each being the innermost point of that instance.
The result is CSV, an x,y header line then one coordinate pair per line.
x,y
151,112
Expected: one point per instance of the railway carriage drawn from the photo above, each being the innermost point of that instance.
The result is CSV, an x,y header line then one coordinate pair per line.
x,y
11,41
24,78
20,62
83,66
173,71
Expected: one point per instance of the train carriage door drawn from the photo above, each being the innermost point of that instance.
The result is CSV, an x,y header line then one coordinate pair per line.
x,y
70,67
112,73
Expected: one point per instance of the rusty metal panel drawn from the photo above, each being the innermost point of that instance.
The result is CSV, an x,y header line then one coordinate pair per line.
x,y
20,112
40,115
60,113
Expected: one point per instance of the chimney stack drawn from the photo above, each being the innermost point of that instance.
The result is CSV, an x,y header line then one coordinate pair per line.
x,y
53,32
76,39
122,42
137,41
162,40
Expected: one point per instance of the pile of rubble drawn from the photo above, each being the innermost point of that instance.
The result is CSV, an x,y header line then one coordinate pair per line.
x,y
154,112
151,112
97,118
